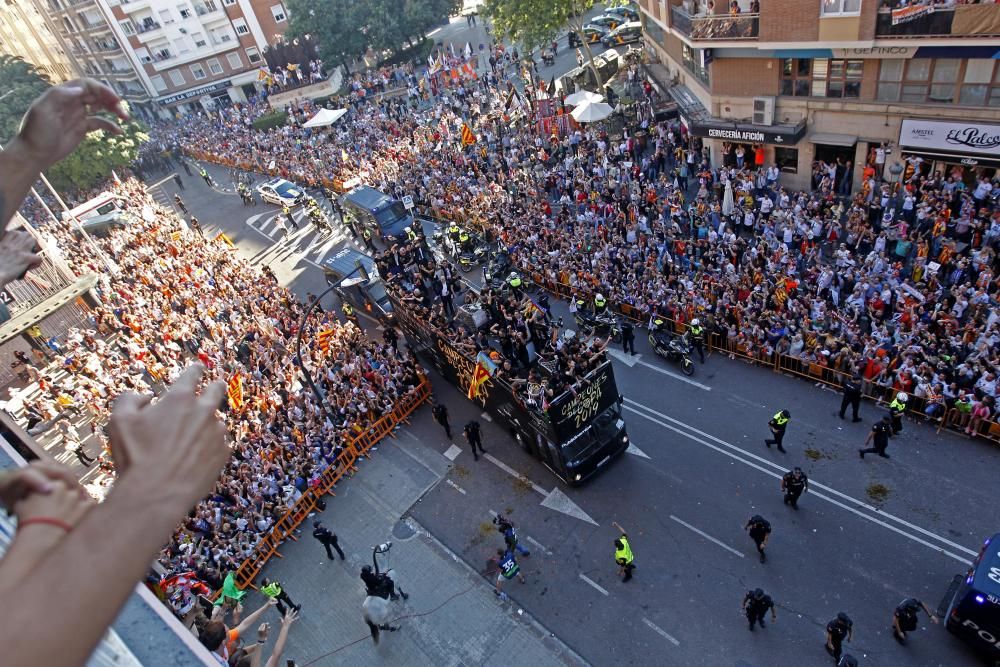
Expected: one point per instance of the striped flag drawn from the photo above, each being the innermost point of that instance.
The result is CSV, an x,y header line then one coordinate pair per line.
x,y
323,339
479,376
513,100
468,137
532,306
235,392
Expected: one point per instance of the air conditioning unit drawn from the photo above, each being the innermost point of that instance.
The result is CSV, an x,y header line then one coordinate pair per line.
x,y
763,111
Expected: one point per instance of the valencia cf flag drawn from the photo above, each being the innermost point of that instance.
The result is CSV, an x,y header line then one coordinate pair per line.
x,y
235,392
323,339
479,376
468,137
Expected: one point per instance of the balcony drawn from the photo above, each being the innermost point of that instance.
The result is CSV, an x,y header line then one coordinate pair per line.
x,y
146,27
162,56
107,47
713,28
963,21
204,9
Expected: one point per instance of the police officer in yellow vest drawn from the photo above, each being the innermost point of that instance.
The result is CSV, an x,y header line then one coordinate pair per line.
x,y
287,212
698,337
204,174
465,242
410,234
896,410
778,424
600,305
515,285
348,310
453,233
623,554
272,589
366,234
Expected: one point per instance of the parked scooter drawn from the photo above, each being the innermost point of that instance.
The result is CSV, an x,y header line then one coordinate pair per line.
x,y
671,347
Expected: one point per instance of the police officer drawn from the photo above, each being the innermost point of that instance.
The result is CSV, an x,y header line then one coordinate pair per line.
x,y
794,483
348,311
837,631
178,181
756,603
778,424
515,283
440,413
453,234
410,234
698,337
628,337
180,204
204,175
327,538
623,554
366,235
904,618
600,305
896,410
473,433
464,242
880,433
852,396
760,530
287,212
272,589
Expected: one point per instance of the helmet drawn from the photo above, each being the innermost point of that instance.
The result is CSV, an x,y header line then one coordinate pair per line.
x,y
367,569
758,593
786,414
317,523
599,297
695,323
902,397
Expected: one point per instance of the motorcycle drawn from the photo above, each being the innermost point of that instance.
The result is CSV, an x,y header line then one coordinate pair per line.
x,y
672,348
468,259
602,325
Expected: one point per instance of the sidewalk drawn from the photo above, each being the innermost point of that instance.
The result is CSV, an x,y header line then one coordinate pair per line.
x,y
452,616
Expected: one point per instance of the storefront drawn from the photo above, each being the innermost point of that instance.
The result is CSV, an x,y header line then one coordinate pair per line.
x,y
198,99
751,145
964,150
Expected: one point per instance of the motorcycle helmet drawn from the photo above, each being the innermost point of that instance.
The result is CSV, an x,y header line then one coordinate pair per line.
x,y
695,322
366,570
599,299
786,414
902,397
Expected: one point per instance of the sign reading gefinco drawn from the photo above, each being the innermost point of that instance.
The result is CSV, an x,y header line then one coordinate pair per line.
x,y
970,137
876,52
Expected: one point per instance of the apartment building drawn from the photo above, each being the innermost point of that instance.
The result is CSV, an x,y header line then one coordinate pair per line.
x,y
909,86
194,55
25,31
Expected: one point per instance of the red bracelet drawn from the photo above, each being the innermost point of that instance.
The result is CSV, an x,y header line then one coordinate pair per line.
x,y
47,520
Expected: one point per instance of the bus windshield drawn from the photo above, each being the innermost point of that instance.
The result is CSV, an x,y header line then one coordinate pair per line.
x,y
603,428
390,215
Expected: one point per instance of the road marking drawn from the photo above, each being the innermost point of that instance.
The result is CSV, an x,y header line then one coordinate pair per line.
x,y
676,376
513,473
632,449
627,359
658,630
452,452
538,544
554,499
455,486
592,583
486,416
707,536
813,485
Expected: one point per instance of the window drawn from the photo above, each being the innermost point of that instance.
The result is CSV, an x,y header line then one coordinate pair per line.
x,y
936,81
787,159
278,12
184,11
159,85
127,27
234,61
241,27
198,71
821,77
165,16
253,55
694,62
214,66
840,7
228,3
177,77
143,55
199,40
181,46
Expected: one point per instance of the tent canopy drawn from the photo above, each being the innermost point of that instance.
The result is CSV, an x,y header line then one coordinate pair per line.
x,y
581,96
591,112
325,117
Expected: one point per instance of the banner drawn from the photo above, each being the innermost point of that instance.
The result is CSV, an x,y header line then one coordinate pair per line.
x,y
468,137
323,340
959,137
479,376
235,392
907,14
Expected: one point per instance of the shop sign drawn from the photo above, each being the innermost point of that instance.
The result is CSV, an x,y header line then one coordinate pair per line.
x,y
963,137
758,134
196,92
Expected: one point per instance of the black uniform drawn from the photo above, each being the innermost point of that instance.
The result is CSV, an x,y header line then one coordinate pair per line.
x,y
794,483
327,539
881,432
778,429
756,604
473,433
759,528
838,630
852,397
906,617
440,413
628,337
178,181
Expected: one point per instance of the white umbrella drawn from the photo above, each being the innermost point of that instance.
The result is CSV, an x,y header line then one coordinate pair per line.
x,y
591,112
325,117
727,200
581,96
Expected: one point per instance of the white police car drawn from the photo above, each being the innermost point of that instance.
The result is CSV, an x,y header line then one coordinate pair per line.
x,y
281,192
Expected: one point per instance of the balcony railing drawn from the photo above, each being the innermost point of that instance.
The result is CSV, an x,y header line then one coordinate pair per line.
x,y
206,8
715,27
979,20
162,56
106,47
147,27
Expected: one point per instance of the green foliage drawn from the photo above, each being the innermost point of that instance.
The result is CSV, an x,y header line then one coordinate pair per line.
x,y
335,26
20,84
535,23
418,51
270,120
97,155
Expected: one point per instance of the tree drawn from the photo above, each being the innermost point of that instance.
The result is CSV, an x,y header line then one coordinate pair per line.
x,y
20,84
536,23
335,27
97,155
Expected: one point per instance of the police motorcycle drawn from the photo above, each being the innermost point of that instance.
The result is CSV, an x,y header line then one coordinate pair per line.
x,y
317,216
497,270
604,324
670,346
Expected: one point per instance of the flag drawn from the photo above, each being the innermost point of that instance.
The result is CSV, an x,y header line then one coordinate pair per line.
x,y
292,67
552,87
451,47
323,339
468,51
513,100
532,305
175,235
435,66
484,359
430,60
479,376
263,74
235,392
468,137
343,155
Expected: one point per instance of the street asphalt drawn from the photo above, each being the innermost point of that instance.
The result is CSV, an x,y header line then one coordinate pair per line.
x,y
868,534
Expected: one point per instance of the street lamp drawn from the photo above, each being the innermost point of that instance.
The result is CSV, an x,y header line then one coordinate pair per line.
x,y
347,281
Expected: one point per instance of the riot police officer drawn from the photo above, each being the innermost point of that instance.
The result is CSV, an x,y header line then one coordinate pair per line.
x,y
698,338
756,603
287,212
794,483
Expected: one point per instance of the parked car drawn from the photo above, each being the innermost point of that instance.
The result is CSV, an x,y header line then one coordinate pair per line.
x,y
606,21
626,13
626,33
281,192
592,33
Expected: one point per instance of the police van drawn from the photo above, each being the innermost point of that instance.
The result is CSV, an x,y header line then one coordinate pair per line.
x,y
99,215
361,287
384,216
971,607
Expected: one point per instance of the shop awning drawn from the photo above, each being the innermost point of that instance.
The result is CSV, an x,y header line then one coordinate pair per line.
x,y
833,139
953,158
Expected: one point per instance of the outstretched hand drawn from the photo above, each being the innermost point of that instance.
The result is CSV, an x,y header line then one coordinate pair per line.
x,y
18,255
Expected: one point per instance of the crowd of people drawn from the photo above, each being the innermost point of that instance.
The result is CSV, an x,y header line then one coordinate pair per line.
x,y
171,297
895,281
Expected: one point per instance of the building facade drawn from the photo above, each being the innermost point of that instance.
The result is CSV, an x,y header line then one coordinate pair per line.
x,y
25,31
791,82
